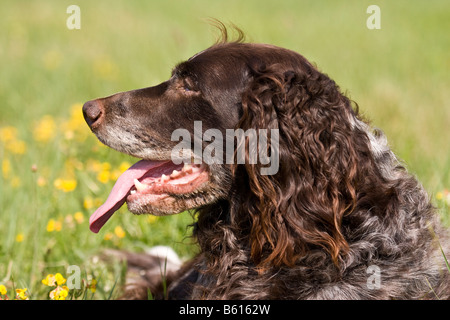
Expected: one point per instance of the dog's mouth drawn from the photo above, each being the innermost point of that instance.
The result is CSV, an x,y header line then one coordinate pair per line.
x,y
153,187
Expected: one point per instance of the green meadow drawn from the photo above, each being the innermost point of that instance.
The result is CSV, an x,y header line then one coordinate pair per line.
x,y
55,173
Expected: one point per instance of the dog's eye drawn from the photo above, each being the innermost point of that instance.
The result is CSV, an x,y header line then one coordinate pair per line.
x,y
189,85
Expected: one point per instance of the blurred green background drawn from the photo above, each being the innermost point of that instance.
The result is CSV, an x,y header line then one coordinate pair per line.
x,y
398,75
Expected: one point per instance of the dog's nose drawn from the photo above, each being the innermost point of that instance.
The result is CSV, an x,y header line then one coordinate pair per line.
x,y
93,113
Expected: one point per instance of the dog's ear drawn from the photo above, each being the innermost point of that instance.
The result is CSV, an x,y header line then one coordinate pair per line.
x,y
302,205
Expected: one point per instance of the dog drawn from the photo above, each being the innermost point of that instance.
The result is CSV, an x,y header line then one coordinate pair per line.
x,y
339,217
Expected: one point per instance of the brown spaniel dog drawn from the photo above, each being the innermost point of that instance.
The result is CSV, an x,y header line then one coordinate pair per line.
x,y
338,217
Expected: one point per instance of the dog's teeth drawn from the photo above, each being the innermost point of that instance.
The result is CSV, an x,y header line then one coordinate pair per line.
x,y
139,186
187,168
175,174
133,191
164,178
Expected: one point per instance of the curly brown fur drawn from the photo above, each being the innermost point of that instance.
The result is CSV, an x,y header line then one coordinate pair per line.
x,y
340,203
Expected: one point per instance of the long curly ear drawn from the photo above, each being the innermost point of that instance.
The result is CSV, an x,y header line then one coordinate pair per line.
x,y
301,207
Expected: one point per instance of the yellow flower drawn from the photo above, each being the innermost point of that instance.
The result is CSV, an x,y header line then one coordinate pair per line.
x,y
79,217
103,176
75,128
45,129
444,196
16,147
21,294
108,236
69,134
98,202
106,166
49,280
53,280
93,285
71,164
8,134
6,168
3,290
124,166
59,279
16,182
58,225
53,225
151,218
20,237
115,174
41,181
119,232
94,165
66,185
89,203
60,293
50,225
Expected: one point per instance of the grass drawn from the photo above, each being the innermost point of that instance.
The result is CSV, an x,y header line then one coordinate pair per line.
x,y
54,172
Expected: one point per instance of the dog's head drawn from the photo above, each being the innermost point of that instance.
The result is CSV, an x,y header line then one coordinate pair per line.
x,y
204,98
186,130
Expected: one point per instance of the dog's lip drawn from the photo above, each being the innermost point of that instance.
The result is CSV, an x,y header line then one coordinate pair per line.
x,y
181,180
151,191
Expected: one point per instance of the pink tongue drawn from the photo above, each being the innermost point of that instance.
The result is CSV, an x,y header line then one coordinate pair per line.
x,y
119,192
